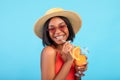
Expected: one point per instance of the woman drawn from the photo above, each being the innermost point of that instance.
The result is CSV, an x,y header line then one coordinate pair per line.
x,y
56,29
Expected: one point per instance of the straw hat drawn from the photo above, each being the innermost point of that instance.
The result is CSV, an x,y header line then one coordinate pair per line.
x,y
73,17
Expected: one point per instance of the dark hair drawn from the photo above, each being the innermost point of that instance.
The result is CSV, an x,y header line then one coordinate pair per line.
x,y
46,40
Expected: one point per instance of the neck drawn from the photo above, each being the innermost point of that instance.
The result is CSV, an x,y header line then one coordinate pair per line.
x,y
59,47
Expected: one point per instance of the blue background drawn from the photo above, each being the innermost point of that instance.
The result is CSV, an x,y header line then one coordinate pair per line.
x,y
20,49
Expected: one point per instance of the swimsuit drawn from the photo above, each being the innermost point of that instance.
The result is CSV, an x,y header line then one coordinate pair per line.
x,y
58,65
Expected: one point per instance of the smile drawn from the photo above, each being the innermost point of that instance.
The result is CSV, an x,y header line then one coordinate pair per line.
x,y
59,37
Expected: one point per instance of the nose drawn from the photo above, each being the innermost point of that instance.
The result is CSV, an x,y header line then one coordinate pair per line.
x,y
57,30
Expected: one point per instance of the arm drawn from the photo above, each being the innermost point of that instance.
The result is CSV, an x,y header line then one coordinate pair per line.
x,y
64,71
48,65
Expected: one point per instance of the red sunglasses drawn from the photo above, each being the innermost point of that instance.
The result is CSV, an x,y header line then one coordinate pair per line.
x,y
53,29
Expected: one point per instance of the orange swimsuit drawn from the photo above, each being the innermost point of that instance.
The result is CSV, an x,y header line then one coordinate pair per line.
x,y
58,65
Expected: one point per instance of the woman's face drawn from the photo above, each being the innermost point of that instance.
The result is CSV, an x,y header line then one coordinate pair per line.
x,y
58,30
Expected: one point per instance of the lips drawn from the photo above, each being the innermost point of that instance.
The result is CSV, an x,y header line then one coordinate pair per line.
x,y
59,37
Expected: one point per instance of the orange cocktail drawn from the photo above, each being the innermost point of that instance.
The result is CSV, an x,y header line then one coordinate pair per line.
x,y
80,59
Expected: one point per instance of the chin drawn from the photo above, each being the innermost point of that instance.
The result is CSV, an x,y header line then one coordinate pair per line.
x,y
59,43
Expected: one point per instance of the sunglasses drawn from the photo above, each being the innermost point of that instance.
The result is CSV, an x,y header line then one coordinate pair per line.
x,y
53,29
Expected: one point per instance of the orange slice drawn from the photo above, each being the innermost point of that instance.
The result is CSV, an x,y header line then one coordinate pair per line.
x,y
76,53
80,59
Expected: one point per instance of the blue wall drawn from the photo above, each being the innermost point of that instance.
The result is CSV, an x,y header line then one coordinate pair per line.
x,y
20,48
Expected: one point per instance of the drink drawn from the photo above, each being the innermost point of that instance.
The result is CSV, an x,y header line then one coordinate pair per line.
x,y
80,59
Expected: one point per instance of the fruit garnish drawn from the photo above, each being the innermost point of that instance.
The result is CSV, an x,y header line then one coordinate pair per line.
x,y
80,59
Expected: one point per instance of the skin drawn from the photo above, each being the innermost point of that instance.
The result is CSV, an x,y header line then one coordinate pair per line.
x,y
49,53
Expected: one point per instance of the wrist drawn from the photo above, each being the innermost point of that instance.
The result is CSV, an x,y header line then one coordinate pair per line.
x,y
70,61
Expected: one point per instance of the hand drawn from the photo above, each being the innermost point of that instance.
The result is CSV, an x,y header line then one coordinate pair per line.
x,y
80,70
66,52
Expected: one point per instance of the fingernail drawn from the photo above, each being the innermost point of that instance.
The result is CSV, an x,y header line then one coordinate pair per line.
x,y
76,74
79,67
79,72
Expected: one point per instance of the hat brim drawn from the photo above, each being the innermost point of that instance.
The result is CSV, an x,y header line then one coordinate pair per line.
x,y
74,19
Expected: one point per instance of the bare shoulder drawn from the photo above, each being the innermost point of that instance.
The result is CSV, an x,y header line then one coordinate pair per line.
x,y
48,51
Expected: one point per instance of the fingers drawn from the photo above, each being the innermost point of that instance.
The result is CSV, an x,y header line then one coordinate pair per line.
x,y
66,52
79,74
67,47
80,71
85,64
81,68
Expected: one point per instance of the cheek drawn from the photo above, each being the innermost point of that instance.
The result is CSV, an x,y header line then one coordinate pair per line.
x,y
50,34
67,32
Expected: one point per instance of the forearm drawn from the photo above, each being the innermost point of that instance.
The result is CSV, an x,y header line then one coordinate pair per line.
x,y
64,71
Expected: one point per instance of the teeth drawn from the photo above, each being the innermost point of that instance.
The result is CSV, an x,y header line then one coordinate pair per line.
x,y
59,37
66,41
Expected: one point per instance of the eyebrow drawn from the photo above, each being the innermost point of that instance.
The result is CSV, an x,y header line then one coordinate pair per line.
x,y
58,24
